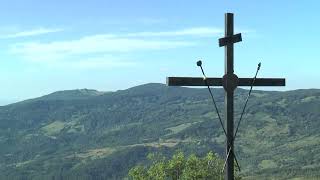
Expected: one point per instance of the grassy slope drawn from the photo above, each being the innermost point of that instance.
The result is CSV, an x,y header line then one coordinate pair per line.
x,y
105,134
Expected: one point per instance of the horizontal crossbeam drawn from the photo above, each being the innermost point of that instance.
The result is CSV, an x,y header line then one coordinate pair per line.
x,y
193,81
262,82
230,40
198,81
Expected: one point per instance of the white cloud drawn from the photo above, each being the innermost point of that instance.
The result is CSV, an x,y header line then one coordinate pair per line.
x,y
198,31
93,51
101,62
151,21
186,33
104,44
33,32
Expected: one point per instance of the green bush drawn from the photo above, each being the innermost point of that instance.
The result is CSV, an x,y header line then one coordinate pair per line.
x,y
180,167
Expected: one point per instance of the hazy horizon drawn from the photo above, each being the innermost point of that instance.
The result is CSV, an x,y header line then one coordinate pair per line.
x,y
4,102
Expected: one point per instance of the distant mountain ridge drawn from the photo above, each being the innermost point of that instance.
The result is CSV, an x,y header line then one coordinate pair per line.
x,y
66,95
71,94
87,134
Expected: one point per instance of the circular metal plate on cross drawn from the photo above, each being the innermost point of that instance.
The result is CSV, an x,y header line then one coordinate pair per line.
x,y
230,82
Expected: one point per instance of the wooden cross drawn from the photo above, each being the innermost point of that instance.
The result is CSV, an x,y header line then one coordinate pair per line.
x,y
229,81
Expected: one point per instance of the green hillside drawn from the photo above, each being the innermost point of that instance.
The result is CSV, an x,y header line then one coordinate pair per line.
x,y
86,134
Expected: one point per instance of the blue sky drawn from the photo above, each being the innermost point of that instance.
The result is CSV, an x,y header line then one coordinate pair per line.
x,y
48,46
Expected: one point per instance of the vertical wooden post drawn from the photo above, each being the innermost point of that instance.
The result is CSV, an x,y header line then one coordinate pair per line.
x,y
229,92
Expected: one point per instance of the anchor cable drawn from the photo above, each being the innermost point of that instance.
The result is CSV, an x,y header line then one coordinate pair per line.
x,y
199,63
245,105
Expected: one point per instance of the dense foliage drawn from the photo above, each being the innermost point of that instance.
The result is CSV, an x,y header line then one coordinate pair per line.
x,y
85,134
180,167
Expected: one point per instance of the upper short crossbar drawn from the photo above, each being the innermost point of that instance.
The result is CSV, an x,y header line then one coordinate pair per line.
x,y
230,40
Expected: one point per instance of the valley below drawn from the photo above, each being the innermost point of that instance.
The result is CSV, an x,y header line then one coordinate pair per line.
x,y
87,134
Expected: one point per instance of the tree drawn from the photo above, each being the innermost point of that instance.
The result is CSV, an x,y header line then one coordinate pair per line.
x,y
180,168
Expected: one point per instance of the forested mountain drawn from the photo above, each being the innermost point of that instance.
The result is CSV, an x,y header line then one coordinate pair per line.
x,y
86,134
